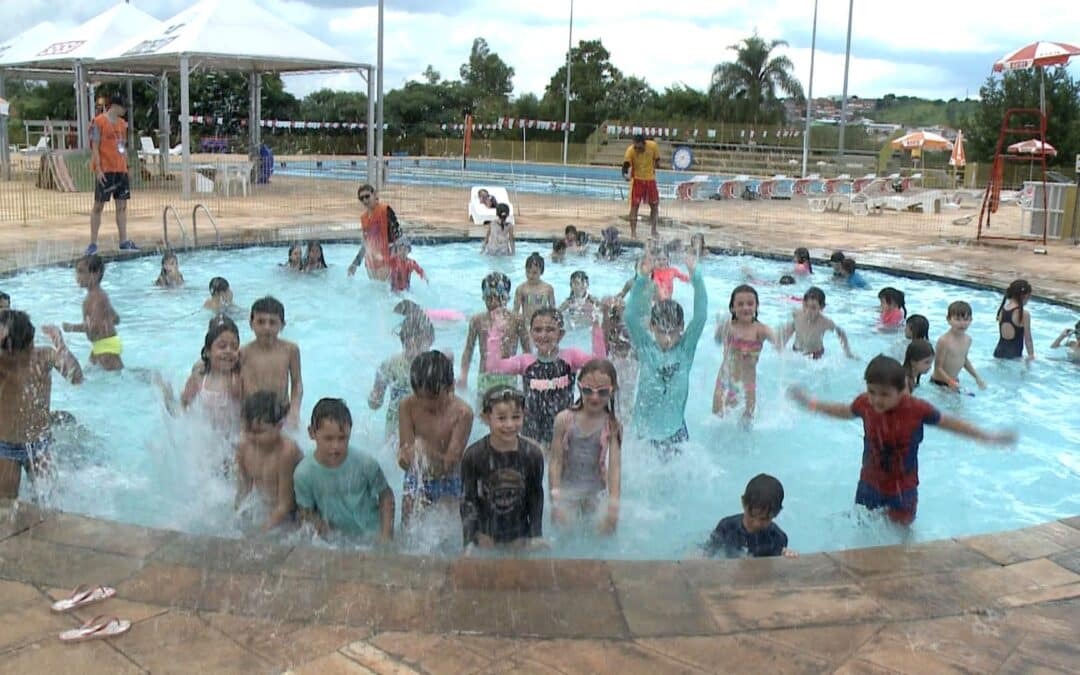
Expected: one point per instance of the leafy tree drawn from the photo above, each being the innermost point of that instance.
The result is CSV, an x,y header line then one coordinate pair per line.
x,y
745,90
432,76
487,78
681,102
327,105
591,79
526,106
628,98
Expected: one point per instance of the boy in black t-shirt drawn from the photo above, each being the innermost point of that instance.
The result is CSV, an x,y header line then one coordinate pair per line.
x,y
753,532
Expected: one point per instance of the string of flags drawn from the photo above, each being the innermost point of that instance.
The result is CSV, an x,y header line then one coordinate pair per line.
x,y
282,124
668,132
514,123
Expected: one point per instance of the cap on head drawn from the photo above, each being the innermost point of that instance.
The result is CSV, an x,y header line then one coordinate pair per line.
x,y
116,99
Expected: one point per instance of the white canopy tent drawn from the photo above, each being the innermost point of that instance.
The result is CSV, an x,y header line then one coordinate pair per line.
x,y
235,35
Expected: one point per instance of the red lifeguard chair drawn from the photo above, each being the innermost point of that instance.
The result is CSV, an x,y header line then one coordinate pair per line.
x,y
992,197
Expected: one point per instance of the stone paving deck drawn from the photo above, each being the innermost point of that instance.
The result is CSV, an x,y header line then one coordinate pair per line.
x,y
1006,602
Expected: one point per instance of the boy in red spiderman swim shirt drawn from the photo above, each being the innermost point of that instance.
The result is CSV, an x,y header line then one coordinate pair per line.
x,y
402,266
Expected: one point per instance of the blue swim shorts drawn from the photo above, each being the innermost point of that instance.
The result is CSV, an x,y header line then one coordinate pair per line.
x,y
27,454
432,489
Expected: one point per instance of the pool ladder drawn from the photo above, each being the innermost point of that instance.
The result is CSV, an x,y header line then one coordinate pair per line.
x,y
194,224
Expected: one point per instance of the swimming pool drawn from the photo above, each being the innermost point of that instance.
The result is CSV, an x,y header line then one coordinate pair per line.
x,y
127,460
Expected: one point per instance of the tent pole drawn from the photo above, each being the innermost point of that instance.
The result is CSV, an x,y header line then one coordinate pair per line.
x,y
379,111
80,107
164,142
131,118
5,151
369,74
258,114
185,126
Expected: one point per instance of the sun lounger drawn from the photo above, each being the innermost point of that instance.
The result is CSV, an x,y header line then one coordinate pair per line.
x,y
481,213
41,147
687,190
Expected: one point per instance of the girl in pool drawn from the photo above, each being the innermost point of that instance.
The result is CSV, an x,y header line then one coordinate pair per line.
x,y
664,275
586,450
918,361
500,234
742,338
296,258
170,276
417,335
534,293
1072,345
917,327
893,310
314,259
803,266
548,375
1014,324
697,246
579,307
214,387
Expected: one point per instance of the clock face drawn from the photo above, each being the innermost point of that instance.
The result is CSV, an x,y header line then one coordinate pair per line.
x,y
682,159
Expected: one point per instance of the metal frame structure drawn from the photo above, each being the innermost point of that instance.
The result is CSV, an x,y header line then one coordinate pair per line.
x,y
992,198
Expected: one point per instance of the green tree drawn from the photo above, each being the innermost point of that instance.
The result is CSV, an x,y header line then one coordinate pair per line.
x,y
629,98
745,90
328,105
592,78
488,79
432,76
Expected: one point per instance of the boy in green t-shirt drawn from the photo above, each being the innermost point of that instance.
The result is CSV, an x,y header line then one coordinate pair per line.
x,y
339,489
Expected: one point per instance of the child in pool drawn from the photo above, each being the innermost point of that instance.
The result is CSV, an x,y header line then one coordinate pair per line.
x,y
697,246
893,310
402,266
5,300
295,261
893,424
742,337
547,376
338,488
918,361
579,307
849,275
809,326
495,290
99,318
917,327
753,532
836,262
558,251
619,348
1072,345
215,387
221,297
270,363
417,335
534,293
952,349
610,247
433,429
26,387
572,239
170,276
665,348
586,451
314,259
500,234
664,275
803,264
502,475
266,458
1014,324
408,307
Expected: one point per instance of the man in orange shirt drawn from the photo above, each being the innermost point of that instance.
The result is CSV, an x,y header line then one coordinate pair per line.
x,y
108,161
639,167
380,228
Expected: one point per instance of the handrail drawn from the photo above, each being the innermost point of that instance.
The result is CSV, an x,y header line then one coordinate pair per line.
x,y
194,213
165,225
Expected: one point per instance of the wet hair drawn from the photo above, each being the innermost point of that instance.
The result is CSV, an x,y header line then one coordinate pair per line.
x,y
836,257
639,138
502,211
4,297
416,327
218,285
610,246
802,257
606,368
787,280
365,187
764,493
920,327
916,351
264,406
432,372
570,230
20,332
848,265
549,312
815,293
268,305
166,257
744,288
501,393
408,308
558,246
333,409
959,309
94,265
534,259
886,371
582,238
579,275
893,296
296,246
321,261
667,315
496,283
1016,291
697,236
218,325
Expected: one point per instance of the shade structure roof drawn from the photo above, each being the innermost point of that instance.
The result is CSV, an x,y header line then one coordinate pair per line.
x,y
235,35
94,39
27,43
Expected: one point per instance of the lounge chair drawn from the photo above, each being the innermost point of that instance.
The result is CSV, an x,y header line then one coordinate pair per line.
x,y
687,190
147,149
481,213
41,147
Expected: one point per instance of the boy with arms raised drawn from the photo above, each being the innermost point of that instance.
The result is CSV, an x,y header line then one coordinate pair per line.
x,y
269,363
265,458
433,427
99,317
341,489
951,354
25,394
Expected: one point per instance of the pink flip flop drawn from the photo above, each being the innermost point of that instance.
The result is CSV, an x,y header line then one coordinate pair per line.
x,y
82,596
98,628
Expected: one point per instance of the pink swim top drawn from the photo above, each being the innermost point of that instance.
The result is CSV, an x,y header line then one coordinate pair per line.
x,y
892,317
445,315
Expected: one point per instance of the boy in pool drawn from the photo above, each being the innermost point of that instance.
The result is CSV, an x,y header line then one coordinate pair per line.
x,y
951,354
502,475
5,300
269,363
402,266
337,488
99,317
495,289
753,532
534,293
26,387
1072,345
265,458
417,334
893,425
221,297
433,427
809,326
849,275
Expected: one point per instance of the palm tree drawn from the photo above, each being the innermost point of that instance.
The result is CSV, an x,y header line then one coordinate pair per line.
x,y
744,90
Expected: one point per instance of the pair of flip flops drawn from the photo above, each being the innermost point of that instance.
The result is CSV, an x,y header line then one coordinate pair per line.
x,y
100,626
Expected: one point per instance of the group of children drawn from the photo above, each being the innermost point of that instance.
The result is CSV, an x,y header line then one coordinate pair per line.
x,y
561,421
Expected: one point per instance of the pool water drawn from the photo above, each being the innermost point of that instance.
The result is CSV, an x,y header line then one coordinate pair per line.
x,y
128,460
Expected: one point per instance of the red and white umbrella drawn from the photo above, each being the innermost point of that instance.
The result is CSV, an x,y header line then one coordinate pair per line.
x,y
1033,146
1037,54
924,140
958,157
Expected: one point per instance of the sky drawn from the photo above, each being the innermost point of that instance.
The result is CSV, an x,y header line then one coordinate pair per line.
x,y
928,48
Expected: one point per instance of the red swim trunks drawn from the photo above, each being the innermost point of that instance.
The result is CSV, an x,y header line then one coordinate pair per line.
x,y
644,191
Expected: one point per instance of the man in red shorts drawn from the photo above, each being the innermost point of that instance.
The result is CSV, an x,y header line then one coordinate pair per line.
x,y
108,161
639,167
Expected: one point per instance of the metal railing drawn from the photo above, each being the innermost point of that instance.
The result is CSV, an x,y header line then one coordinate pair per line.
x,y
165,225
195,226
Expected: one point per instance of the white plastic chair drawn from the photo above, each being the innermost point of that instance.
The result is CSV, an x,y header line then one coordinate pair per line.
x,y
227,174
479,213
